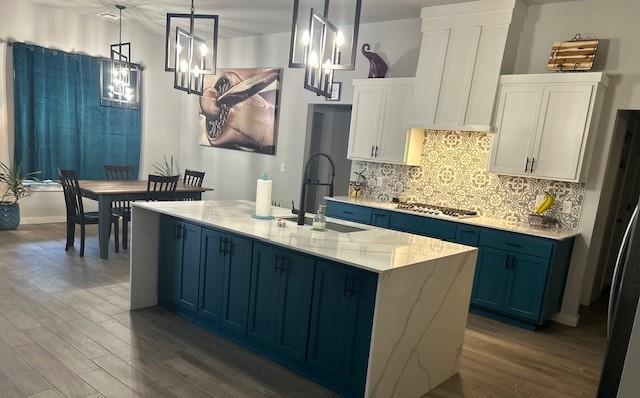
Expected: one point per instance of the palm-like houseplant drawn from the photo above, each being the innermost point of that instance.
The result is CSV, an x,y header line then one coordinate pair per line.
x,y
13,189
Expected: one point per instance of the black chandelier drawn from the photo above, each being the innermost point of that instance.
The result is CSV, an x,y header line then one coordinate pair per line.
x,y
323,39
191,49
119,77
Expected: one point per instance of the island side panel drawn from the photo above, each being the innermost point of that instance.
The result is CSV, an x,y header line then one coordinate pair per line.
x,y
419,324
145,237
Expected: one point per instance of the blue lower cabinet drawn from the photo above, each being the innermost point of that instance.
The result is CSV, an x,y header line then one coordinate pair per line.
x,y
341,324
180,265
525,286
490,278
423,226
225,281
344,211
280,302
468,235
380,219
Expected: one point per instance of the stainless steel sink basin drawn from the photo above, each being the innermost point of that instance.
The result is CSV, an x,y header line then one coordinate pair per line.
x,y
330,225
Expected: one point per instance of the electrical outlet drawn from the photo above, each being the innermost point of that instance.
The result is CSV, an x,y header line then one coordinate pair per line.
x,y
539,199
283,167
567,206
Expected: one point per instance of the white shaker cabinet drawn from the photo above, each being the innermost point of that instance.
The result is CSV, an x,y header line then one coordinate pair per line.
x,y
464,50
378,131
544,125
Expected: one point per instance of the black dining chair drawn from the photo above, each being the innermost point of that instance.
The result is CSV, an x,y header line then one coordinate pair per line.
x,y
121,208
192,177
76,214
161,188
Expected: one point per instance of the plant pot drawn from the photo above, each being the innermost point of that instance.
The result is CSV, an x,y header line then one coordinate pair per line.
x,y
9,216
355,189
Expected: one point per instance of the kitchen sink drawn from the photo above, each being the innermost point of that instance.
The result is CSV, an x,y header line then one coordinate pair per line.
x,y
330,225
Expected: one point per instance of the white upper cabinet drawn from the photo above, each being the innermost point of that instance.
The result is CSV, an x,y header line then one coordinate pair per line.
x,y
461,57
544,123
378,131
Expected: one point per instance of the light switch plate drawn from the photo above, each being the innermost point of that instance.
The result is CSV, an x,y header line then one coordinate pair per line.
x,y
567,206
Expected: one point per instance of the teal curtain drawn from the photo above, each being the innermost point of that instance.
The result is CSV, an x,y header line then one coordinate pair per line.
x,y
59,122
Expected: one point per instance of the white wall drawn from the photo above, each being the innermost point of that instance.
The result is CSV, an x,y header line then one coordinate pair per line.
x,y
233,173
615,22
58,28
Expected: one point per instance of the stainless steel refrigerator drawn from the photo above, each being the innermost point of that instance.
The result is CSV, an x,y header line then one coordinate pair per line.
x,y
621,371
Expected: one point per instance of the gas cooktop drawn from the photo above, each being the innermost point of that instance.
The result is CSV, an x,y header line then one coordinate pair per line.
x,y
436,210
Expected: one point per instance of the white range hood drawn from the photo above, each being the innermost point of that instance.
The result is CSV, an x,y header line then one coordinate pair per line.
x,y
465,48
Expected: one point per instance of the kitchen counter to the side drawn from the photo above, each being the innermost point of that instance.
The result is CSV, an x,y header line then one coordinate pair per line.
x,y
374,249
480,221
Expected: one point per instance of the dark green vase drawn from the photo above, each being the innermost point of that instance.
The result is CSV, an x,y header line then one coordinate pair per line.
x,y
9,216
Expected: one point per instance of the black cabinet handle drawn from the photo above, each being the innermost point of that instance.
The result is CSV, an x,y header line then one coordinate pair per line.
x,y
375,154
533,162
469,231
347,212
276,267
345,288
513,245
371,150
221,246
526,166
180,231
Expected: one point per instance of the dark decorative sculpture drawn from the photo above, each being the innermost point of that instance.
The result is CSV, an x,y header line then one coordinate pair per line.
x,y
377,67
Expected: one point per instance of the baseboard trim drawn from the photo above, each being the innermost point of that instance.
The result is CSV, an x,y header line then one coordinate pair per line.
x,y
566,319
43,220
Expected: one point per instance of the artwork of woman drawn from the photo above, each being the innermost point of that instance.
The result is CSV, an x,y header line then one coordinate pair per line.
x,y
239,109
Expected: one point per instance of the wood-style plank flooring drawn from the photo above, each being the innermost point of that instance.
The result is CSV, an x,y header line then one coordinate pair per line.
x,y
65,331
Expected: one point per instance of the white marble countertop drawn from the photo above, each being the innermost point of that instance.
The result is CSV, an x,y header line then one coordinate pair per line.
x,y
374,249
480,221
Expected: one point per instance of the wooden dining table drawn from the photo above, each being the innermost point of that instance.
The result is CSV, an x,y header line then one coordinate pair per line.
x,y
106,192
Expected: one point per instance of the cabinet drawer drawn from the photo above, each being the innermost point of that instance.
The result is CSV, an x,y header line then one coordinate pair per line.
x,y
468,235
516,243
423,226
349,212
380,218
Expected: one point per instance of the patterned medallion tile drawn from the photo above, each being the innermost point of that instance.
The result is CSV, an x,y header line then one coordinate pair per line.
x,y
454,173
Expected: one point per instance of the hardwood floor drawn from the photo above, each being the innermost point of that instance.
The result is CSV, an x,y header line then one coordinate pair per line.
x,y
65,331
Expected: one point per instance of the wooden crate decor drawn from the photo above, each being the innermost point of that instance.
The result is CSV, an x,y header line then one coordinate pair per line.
x,y
576,54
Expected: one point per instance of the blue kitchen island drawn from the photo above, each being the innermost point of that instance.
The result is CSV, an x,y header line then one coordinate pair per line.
x,y
364,311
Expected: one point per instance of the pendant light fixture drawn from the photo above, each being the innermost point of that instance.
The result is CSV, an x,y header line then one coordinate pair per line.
x,y
119,77
324,40
191,49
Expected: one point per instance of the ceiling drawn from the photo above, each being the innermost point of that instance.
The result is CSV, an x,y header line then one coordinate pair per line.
x,y
243,17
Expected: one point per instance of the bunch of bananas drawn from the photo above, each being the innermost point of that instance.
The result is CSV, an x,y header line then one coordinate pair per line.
x,y
546,204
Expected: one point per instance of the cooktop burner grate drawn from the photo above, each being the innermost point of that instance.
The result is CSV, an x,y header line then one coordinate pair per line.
x,y
437,210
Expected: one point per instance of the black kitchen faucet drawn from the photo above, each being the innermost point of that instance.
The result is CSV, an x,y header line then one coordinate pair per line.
x,y
306,182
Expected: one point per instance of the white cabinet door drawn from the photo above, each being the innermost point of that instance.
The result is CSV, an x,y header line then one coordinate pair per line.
x,y
365,121
516,121
392,137
433,52
457,75
560,137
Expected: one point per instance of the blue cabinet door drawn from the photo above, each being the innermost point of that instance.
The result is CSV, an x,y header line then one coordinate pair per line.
x,y
237,284
212,278
490,279
526,286
345,211
188,256
341,323
468,235
294,305
263,302
168,271
380,218
423,226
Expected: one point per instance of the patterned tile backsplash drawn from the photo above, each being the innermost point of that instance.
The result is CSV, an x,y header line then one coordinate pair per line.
x,y
454,173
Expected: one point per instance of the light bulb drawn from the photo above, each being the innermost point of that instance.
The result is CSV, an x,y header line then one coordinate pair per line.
x,y
204,50
196,71
327,66
306,38
184,66
339,39
313,59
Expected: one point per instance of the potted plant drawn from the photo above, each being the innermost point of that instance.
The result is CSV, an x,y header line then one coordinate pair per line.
x,y
356,186
166,168
12,181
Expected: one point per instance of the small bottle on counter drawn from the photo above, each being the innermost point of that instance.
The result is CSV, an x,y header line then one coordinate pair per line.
x,y
319,220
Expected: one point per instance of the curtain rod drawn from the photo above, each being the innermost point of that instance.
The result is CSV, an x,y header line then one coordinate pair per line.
x,y
12,42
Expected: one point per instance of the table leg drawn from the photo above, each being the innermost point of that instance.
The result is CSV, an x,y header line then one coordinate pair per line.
x,y
104,215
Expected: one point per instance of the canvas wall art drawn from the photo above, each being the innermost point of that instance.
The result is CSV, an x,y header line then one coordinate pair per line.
x,y
239,109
